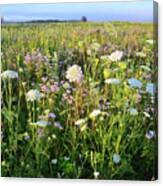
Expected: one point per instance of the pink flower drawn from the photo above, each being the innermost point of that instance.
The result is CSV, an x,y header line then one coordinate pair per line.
x,y
54,88
45,88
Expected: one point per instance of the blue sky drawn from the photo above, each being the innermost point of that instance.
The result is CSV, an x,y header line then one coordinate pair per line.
x,y
137,11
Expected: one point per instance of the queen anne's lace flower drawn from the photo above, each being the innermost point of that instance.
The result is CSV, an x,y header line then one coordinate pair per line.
x,y
33,95
74,74
9,74
116,56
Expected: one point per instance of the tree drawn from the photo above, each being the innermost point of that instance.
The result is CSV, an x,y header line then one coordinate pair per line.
x,y
2,19
84,19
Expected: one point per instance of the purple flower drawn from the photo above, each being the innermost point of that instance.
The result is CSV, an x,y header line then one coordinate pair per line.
x,y
51,115
54,88
45,88
27,59
100,105
58,125
40,132
56,83
26,138
45,58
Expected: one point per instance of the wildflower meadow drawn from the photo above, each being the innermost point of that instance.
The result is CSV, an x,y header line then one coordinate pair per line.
x,y
79,100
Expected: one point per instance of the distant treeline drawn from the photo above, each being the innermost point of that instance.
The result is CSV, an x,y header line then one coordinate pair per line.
x,y
50,21
83,19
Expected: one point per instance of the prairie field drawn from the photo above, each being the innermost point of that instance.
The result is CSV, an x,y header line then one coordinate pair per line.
x,y
79,100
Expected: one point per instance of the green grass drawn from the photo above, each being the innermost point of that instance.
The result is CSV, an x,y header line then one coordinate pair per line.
x,y
79,151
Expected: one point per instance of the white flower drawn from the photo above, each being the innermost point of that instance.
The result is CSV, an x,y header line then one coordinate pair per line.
x,y
89,52
116,56
150,41
135,83
9,74
66,158
146,114
54,161
94,113
150,134
112,81
42,123
74,74
33,95
116,158
54,136
66,85
80,121
83,127
133,111
96,174
141,54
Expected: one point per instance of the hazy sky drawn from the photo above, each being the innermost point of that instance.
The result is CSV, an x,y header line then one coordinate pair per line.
x,y
138,11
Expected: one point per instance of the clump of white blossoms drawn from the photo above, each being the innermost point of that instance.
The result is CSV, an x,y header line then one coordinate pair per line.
x,y
116,56
141,54
33,95
41,123
116,158
54,161
150,41
94,113
96,174
150,134
80,122
112,81
74,74
9,74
